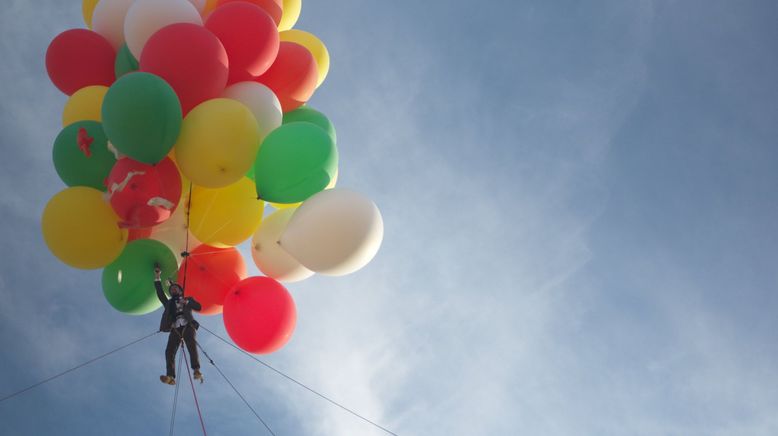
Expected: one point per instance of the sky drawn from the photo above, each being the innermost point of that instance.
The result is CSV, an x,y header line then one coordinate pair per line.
x,y
580,216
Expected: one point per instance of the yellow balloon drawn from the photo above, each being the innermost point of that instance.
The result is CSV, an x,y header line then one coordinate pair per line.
x,y
218,143
81,229
314,45
291,13
87,8
84,104
225,217
280,206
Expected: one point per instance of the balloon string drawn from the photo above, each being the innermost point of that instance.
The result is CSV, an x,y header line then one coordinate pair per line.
x,y
207,209
203,253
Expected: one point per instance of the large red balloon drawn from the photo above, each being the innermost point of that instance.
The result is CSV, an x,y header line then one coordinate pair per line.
x,y
210,273
143,195
249,36
77,58
191,59
273,7
293,76
259,315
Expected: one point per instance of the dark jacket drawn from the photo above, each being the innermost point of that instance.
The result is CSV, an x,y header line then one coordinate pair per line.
x,y
169,315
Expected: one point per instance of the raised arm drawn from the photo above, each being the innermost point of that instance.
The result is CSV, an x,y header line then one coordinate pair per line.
x,y
158,286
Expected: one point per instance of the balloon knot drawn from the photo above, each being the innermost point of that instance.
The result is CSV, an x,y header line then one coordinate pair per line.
x,y
84,142
184,254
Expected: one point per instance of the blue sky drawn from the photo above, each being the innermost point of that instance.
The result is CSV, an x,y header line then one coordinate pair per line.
x,y
579,201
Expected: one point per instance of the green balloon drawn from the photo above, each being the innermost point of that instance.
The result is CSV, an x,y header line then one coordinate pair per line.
x,y
85,162
305,113
294,162
128,283
142,116
125,62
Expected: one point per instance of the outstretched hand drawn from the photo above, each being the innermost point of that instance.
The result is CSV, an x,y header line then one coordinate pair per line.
x,y
157,273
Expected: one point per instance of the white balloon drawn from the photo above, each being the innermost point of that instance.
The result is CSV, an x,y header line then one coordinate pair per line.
x,y
147,16
108,20
262,102
269,257
335,232
173,232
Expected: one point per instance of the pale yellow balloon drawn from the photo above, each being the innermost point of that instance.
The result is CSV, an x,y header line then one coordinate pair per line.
x,y
218,143
81,229
291,13
314,45
225,217
85,104
280,206
87,8
269,257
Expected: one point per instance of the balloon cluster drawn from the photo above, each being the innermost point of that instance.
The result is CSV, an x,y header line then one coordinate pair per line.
x,y
184,118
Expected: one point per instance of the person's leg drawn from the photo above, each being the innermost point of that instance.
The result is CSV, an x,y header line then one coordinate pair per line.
x,y
190,339
170,352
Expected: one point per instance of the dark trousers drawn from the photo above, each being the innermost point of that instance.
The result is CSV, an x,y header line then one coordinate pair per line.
x,y
174,340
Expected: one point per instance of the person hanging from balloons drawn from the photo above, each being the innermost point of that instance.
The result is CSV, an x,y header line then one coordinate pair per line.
x,y
178,320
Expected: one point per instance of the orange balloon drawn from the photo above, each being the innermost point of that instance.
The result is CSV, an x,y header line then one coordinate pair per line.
x,y
210,273
293,76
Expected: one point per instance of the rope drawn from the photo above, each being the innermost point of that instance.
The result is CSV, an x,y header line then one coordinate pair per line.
x,y
185,254
8,397
175,399
300,383
194,394
235,389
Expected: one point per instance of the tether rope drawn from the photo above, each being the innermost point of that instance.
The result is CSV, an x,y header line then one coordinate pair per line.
x,y
194,394
235,389
21,391
175,399
300,383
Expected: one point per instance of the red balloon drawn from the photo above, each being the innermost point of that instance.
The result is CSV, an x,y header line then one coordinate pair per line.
x,y
250,38
259,315
293,75
191,59
274,8
143,195
77,58
139,233
210,273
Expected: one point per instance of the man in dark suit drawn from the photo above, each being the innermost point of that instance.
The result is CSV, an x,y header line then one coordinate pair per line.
x,y
178,320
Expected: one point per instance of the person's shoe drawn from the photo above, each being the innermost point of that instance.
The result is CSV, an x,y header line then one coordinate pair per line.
x,y
198,375
168,380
